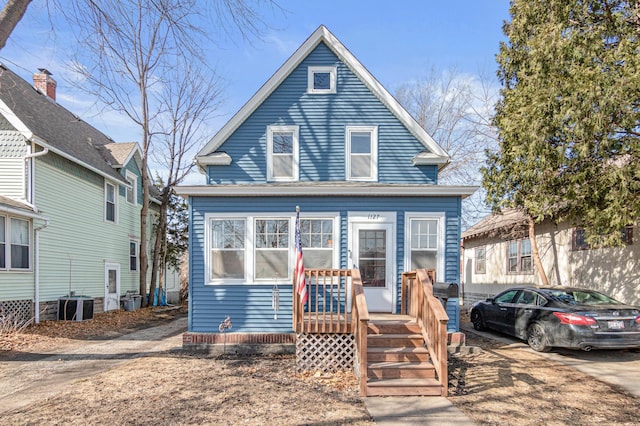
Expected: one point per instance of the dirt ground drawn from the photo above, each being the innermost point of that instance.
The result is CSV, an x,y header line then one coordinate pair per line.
x,y
500,385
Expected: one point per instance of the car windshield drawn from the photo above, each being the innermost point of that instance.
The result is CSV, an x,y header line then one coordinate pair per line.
x,y
582,297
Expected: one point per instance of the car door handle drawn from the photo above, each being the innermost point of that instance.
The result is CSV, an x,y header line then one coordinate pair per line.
x,y
503,309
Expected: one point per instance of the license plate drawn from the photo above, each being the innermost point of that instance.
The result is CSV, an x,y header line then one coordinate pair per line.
x,y
615,325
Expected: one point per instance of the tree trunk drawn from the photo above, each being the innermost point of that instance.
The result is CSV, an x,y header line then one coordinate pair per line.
x,y
10,16
160,233
535,253
144,212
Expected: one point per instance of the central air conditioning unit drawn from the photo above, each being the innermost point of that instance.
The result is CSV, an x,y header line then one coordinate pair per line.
x,y
75,308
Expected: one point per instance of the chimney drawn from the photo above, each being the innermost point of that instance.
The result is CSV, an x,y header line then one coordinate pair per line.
x,y
45,83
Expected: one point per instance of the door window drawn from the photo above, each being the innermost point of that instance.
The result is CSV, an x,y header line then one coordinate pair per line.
x,y
372,256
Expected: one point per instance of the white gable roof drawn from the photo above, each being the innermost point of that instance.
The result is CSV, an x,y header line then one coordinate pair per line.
x,y
322,34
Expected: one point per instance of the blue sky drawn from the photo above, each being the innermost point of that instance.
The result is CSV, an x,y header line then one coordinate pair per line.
x,y
397,41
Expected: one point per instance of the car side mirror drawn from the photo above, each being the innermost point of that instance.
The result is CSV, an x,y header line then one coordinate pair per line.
x,y
491,300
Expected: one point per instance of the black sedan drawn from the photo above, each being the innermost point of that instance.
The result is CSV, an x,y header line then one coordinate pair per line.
x,y
565,317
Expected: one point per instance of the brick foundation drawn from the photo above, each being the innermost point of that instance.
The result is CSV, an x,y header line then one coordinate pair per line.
x,y
239,343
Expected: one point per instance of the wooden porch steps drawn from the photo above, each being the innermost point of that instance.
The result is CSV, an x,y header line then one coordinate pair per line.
x,y
397,362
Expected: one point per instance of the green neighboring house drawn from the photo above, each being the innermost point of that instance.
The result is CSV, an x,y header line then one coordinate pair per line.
x,y
70,201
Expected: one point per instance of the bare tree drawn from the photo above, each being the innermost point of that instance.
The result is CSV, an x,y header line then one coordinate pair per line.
x,y
127,51
456,110
11,14
187,104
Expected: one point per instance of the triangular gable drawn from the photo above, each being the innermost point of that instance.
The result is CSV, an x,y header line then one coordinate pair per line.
x,y
118,155
436,155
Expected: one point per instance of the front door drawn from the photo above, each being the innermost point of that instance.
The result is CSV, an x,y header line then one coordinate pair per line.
x,y
372,253
111,286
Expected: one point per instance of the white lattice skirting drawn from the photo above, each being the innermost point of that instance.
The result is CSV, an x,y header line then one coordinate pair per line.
x,y
17,311
325,352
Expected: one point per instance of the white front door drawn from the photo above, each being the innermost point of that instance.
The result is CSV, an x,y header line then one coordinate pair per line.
x,y
372,252
111,286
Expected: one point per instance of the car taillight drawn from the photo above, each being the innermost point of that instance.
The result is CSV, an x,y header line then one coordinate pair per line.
x,y
574,319
638,319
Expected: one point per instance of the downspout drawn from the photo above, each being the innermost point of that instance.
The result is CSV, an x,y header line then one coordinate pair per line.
x,y
36,232
30,201
36,267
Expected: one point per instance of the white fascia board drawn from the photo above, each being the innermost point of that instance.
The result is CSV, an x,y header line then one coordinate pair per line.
x,y
15,121
19,212
136,149
325,190
37,140
323,34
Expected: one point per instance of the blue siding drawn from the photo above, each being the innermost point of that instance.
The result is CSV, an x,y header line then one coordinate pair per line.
x,y
322,120
249,305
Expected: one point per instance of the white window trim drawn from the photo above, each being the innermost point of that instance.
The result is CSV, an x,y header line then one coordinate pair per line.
x,y
116,196
249,248
8,244
137,243
332,70
294,172
374,152
289,249
440,217
134,187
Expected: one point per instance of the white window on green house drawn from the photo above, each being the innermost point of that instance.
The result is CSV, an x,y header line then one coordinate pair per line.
x,y
272,249
362,153
3,243
227,249
20,244
316,236
481,260
131,191
282,153
110,202
134,249
519,256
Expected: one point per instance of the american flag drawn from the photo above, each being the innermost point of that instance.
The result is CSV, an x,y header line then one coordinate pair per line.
x,y
301,280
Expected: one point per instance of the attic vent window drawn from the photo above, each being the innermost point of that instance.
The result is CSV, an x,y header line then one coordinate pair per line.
x,y
322,80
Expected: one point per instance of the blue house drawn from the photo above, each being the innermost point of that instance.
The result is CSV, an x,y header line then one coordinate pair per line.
x,y
321,134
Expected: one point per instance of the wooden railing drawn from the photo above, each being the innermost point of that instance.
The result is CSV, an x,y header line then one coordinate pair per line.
x,y
418,301
360,325
328,310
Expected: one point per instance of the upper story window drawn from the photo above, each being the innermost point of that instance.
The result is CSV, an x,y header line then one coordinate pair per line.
x,y
321,80
362,153
481,260
15,243
519,256
282,153
110,202
579,240
134,250
132,193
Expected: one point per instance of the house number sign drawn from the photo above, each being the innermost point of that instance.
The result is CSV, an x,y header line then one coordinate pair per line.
x,y
373,216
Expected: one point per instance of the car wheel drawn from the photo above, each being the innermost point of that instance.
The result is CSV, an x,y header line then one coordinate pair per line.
x,y
476,320
537,339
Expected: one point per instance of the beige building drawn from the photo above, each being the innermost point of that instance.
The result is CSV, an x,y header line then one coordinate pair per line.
x,y
497,255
